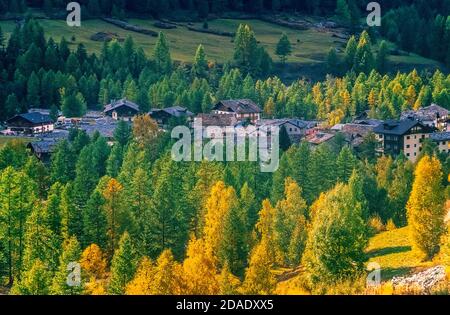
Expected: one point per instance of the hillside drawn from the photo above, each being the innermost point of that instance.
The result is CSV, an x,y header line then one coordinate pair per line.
x,y
310,46
392,250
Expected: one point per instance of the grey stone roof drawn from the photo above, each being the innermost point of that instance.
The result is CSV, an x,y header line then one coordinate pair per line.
x,y
123,102
398,127
440,136
428,113
44,146
34,118
176,111
219,120
239,106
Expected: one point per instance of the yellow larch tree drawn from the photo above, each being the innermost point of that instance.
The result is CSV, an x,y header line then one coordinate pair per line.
x,y
259,278
218,205
199,270
94,268
143,281
166,278
425,207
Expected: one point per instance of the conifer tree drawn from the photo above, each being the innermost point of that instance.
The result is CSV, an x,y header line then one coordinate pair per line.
x,y
199,269
35,281
161,55
381,59
337,238
290,225
284,48
166,275
95,223
350,53
143,281
93,263
17,200
52,209
123,265
71,215
228,283
345,164
259,279
61,285
425,207
200,66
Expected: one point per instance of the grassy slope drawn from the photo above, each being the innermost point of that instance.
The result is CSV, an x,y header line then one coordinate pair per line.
x,y
5,139
391,250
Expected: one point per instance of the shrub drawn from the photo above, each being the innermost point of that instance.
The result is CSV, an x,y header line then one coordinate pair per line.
x,y
390,225
376,225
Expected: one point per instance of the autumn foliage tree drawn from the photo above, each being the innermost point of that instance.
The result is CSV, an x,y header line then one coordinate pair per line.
x,y
425,208
337,238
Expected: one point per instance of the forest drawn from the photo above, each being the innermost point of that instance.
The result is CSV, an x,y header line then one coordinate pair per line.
x,y
139,223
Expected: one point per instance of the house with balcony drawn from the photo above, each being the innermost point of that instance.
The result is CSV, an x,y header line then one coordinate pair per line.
x,y
30,124
242,109
404,135
170,115
122,110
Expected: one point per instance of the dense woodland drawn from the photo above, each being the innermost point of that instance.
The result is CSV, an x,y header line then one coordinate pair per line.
x,y
140,223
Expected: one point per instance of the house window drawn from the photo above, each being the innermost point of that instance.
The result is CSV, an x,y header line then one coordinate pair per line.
x,y
290,129
415,137
408,137
443,142
407,146
415,145
423,136
407,154
415,153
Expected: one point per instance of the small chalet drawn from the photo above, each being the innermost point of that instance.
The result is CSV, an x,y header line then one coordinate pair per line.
x,y
319,137
43,149
355,133
243,109
214,125
30,123
165,115
405,135
122,110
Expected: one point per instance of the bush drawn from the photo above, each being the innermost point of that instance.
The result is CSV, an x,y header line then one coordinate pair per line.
x,y
376,225
390,226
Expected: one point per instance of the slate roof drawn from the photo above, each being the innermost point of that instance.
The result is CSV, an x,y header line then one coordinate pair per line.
x,y
239,106
319,137
176,111
44,146
398,127
302,124
34,118
428,113
440,136
123,102
220,120
357,129
371,122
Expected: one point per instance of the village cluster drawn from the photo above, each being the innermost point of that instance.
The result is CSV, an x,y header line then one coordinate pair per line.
x,y
394,136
